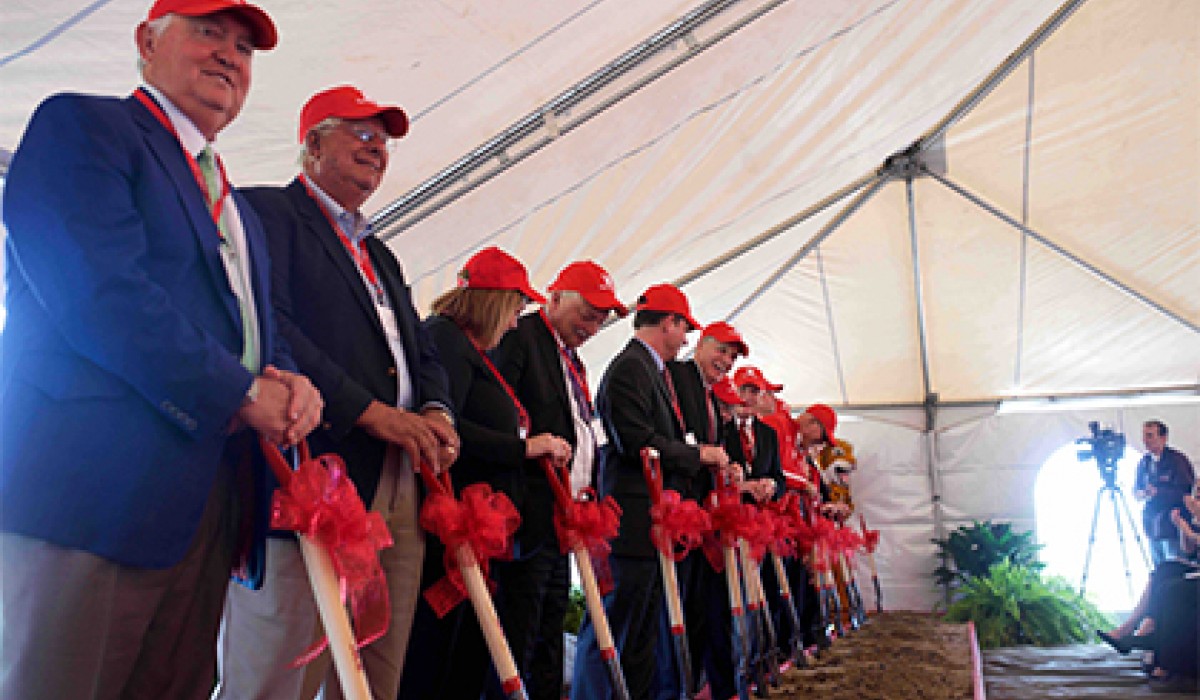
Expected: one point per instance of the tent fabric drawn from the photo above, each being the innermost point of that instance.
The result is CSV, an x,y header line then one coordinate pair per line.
x,y
1091,142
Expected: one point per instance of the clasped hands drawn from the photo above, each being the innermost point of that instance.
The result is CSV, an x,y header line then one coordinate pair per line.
x,y
285,410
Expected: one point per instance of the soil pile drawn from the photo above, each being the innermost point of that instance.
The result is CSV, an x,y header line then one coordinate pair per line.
x,y
896,656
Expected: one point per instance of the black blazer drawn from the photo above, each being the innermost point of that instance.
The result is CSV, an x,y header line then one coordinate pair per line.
x,y
529,359
765,464
492,450
636,409
693,397
337,340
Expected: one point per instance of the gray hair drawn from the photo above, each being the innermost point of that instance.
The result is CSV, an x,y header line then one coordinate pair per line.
x,y
157,27
322,127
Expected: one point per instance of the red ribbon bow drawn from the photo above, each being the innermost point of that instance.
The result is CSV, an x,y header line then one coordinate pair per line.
x,y
677,526
731,519
591,524
483,520
824,532
320,502
847,541
870,539
793,535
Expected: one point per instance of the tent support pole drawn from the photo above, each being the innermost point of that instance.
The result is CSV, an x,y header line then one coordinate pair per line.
x,y
775,231
528,135
851,207
1126,289
1002,71
917,289
929,454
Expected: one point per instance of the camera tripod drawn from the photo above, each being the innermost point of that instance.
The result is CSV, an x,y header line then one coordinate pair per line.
x,y
1114,492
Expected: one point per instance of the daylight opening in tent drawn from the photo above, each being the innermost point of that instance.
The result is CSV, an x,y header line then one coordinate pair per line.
x,y
1065,496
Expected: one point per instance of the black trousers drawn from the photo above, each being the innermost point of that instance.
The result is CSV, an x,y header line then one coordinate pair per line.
x,y
532,605
447,657
1175,608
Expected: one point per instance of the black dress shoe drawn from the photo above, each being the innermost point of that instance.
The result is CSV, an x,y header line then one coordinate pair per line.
x,y
1121,644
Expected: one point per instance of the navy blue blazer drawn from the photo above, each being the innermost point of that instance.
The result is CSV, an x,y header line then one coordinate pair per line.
x,y
119,365
335,336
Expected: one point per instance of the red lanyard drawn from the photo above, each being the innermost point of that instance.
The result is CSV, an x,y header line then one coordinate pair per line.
x,y
361,258
214,207
522,414
570,362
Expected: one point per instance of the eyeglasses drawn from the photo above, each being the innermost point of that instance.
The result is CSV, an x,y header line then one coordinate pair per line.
x,y
365,134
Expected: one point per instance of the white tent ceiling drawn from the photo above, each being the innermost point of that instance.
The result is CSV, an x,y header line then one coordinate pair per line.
x,y
1091,142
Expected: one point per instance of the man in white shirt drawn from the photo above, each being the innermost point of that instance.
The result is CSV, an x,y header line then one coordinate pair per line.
x,y
540,360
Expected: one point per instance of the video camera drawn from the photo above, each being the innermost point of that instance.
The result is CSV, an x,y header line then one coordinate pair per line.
x,y
1106,446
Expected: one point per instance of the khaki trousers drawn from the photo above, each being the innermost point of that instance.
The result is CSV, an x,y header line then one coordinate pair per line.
x,y
264,630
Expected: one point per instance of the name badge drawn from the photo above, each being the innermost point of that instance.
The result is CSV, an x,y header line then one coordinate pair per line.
x,y
598,431
690,439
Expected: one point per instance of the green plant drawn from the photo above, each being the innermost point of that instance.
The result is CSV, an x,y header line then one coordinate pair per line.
x,y
574,617
974,549
1013,605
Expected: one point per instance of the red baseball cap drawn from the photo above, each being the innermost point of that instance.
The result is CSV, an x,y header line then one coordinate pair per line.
x,y
261,26
753,376
825,416
591,282
724,333
726,393
668,299
348,102
492,268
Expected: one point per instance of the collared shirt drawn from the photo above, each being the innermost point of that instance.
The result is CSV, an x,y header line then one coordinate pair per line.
x,y
235,256
583,459
658,361
357,228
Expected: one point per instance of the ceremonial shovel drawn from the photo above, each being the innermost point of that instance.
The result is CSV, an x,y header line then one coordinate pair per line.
x,y
652,470
481,600
327,593
560,483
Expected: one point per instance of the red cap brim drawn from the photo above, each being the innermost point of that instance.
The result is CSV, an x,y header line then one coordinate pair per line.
x,y
266,37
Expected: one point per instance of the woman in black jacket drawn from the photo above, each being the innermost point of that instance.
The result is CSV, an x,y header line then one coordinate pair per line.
x,y
448,657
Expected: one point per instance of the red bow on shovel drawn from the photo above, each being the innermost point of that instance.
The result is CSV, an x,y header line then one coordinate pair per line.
x,y
476,529
584,528
674,522
340,543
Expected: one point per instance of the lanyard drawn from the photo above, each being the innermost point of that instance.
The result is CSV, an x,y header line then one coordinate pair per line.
x,y
522,414
361,257
214,207
570,362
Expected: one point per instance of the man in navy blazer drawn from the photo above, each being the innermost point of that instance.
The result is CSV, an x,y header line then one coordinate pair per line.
x,y
139,343
345,310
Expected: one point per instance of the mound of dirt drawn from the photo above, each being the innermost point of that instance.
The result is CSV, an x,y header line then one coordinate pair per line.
x,y
896,656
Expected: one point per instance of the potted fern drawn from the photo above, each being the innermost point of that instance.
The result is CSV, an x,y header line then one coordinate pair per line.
x,y
996,581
